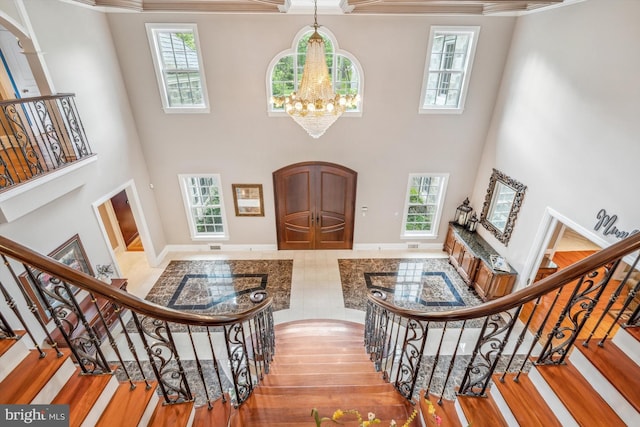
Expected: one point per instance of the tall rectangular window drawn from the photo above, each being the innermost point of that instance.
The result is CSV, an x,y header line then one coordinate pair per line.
x,y
176,56
423,208
447,69
202,196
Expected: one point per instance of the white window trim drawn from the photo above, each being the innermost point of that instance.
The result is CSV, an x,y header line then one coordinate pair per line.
x,y
438,109
404,234
182,179
336,51
153,45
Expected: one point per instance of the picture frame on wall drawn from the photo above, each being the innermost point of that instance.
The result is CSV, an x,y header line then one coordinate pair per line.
x,y
248,199
70,253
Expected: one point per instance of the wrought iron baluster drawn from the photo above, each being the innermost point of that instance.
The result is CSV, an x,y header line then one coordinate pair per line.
x,y
216,368
172,381
436,358
409,364
238,362
493,338
199,366
452,362
556,353
613,299
132,350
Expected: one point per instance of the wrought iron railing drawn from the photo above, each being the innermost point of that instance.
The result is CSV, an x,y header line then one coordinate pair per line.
x,y
458,351
190,356
39,135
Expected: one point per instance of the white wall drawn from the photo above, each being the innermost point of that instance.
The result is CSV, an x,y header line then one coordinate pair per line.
x,y
81,59
566,121
239,141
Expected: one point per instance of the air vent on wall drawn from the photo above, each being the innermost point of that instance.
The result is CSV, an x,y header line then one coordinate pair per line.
x,y
413,245
215,247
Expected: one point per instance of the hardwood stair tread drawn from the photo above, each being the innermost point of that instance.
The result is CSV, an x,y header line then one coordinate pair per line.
x,y
577,395
337,367
24,383
218,415
7,343
634,331
81,392
320,358
535,411
176,415
621,371
127,406
482,411
322,379
250,416
446,411
323,389
333,397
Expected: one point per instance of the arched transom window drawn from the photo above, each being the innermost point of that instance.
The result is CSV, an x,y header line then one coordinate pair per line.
x,y
285,71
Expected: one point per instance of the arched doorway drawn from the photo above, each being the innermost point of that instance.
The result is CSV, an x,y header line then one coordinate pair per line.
x,y
315,205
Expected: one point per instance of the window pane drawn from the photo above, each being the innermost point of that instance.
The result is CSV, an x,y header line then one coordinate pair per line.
x,y
178,65
447,64
205,205
424,197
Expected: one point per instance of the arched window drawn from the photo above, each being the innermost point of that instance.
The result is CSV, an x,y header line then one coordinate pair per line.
x,y
285,70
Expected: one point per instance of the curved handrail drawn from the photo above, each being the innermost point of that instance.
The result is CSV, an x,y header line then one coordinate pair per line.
x,y
518,298
84,281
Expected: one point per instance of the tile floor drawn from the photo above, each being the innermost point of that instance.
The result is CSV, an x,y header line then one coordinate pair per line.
x,y
316,291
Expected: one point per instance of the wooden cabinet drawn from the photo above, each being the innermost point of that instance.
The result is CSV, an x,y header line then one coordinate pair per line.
x,y
91,313
490,284
470,255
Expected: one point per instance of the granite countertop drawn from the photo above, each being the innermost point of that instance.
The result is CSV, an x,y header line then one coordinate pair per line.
x,y
479,246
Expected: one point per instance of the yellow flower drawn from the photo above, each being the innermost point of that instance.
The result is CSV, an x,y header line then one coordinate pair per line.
x,y
337,415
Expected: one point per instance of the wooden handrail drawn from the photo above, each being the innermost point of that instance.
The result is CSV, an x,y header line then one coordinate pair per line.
x,y
84,281
518,298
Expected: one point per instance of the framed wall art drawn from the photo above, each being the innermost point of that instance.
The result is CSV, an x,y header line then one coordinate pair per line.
x,y
70,253
247,199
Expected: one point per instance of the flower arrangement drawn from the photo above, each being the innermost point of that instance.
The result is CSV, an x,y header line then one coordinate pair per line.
x,y
432,412
371,418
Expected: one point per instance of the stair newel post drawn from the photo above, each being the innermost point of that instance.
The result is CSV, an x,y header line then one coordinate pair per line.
x,y
132,349
161,352
584,304
452,362
613,299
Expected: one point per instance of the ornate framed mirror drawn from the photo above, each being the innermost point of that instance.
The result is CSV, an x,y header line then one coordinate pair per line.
x,y
501,205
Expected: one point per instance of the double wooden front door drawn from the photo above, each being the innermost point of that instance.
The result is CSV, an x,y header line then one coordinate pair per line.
x,y
315,204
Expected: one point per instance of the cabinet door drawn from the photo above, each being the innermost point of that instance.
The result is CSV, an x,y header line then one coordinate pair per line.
x,y
468,265
483,281
449,241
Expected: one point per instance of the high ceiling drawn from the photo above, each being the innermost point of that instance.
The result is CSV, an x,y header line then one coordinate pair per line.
x,y
467,7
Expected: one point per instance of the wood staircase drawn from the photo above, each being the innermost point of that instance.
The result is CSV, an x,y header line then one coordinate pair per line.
x,y
322,364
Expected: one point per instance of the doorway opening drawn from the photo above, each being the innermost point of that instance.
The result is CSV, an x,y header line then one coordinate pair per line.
x,y
124,231
564,243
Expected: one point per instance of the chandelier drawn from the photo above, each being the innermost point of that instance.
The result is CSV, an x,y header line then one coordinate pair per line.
x,y
315,106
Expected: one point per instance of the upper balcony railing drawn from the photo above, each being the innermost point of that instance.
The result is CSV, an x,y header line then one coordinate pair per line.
x,y
39,135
